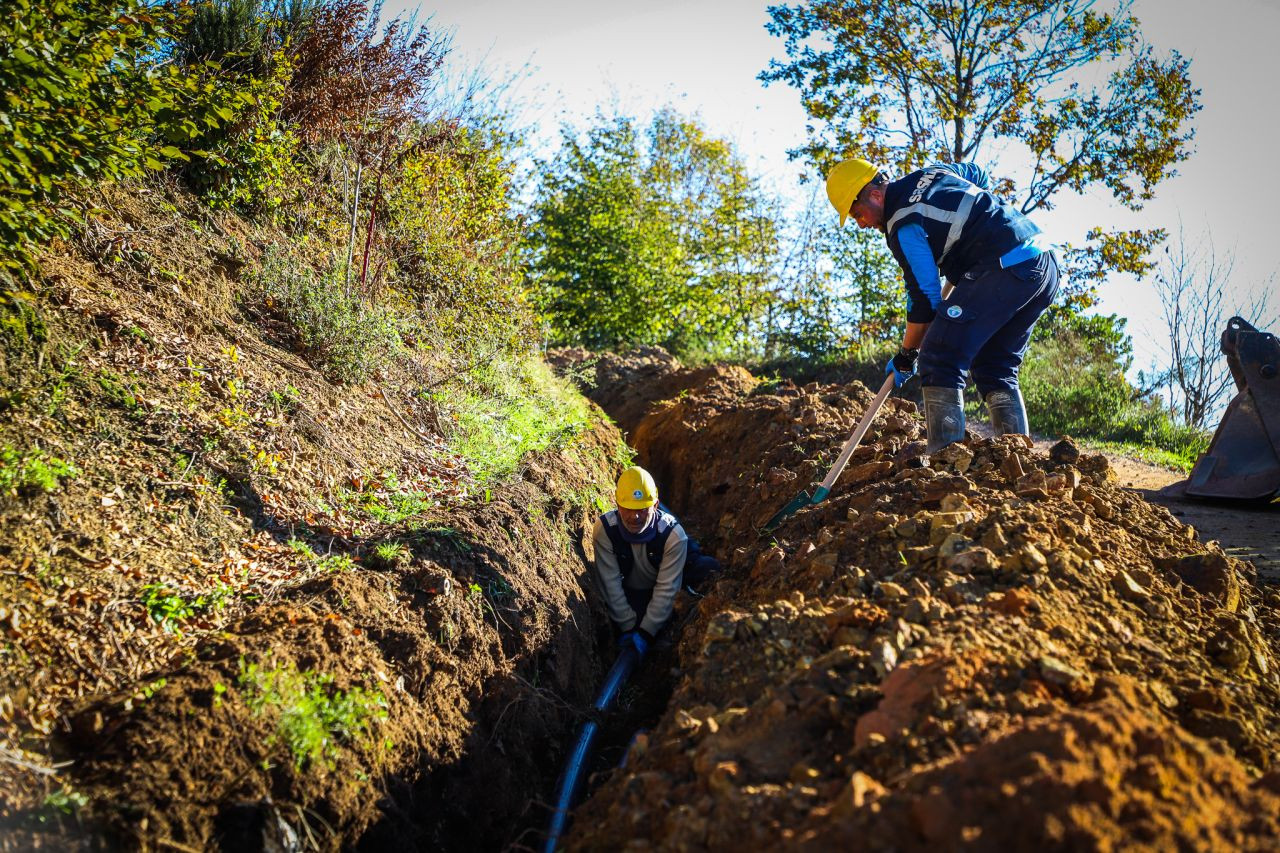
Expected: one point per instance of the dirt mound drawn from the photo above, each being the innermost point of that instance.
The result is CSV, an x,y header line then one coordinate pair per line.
x,y
627,386
990,647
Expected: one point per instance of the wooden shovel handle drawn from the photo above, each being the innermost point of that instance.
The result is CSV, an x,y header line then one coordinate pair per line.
x,y
859,431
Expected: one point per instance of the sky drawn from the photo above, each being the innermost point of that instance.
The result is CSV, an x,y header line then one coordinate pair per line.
x,y
573,57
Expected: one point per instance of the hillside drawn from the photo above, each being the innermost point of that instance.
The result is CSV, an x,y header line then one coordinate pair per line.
x,y
239,596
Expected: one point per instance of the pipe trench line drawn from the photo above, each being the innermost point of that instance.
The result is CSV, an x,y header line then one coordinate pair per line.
x,y
571,778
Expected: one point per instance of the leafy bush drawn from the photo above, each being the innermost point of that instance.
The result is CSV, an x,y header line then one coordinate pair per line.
x,y
250,163
453,239
32,471
337,331
314,716
1075,385
88,98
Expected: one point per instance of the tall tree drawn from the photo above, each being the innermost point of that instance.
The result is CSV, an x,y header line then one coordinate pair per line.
x,y
650,235
1070,96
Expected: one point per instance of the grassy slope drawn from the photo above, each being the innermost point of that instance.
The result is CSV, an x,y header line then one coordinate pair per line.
x,y
222,568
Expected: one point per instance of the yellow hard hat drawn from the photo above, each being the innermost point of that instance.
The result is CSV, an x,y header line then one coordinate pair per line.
x,y
845,180
636,489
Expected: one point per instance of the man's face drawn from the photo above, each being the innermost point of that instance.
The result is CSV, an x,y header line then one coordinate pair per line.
x,y
635,520
868,208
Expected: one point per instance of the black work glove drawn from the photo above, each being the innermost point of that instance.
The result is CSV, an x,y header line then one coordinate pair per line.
x,y
903,366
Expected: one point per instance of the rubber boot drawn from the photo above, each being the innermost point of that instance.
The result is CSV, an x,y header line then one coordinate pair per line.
x,y
1008,414
943,416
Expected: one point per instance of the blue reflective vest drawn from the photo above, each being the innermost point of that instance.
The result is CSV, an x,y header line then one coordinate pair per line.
x,y
967,227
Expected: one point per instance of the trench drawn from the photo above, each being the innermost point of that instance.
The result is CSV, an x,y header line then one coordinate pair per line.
x,y
876,674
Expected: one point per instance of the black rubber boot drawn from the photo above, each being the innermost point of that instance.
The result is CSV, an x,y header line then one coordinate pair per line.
x,y
943,416
1008,414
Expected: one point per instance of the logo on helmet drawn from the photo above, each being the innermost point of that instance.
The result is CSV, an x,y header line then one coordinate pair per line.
x,y
638,494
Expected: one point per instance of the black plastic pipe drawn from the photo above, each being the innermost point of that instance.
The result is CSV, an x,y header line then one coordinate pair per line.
x,y
571,776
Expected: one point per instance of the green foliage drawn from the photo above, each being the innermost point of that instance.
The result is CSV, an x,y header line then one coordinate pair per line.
x,y
119,390
653,235
169,608
391,554
450,229
314,716
1074,384
386,500
337,331
336,564
64,802
21,327
510,408
844,290
250,163
906,84
87,98
32,471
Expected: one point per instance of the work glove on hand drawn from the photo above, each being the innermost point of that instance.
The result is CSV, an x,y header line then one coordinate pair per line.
x,y
902,366
638,639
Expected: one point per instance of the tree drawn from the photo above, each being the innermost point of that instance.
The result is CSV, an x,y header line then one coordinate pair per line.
x,y
1193,285
651,235
905,83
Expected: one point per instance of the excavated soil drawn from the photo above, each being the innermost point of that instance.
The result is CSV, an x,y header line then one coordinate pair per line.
x,y
991,648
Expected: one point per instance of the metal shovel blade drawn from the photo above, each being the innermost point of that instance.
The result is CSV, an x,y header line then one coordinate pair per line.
x,y
797,503
804,499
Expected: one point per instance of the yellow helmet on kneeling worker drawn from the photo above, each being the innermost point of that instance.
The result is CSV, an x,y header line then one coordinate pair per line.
x,y
636,489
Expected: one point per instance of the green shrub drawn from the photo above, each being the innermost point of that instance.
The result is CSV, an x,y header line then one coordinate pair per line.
x,y
314,716
1078,388
250,163
510,408
32,471
450,228
89,97
341,335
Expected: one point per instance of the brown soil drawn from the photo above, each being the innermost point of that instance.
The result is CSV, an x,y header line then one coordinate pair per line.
x,y
217,467
993,648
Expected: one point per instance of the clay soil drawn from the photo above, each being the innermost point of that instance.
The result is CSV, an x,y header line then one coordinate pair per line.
x,y
996,647
223,518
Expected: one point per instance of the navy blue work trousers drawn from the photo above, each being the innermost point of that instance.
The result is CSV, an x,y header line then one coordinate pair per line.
x,y
984,326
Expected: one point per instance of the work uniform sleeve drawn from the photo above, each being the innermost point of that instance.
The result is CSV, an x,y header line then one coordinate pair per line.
x,y
609,577
668,583
910,247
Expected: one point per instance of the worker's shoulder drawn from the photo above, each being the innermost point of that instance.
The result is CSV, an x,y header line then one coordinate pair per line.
x,y
603,519
669,521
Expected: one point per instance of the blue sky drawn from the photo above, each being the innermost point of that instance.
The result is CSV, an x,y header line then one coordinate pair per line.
x,y
703,57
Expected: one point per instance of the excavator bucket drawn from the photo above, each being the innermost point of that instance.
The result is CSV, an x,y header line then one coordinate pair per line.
x,y
1243,460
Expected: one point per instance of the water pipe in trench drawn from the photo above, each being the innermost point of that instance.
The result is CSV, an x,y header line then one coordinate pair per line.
x,y
571,777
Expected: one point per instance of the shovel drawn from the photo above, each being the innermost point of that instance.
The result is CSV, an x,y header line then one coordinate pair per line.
x,y
804,499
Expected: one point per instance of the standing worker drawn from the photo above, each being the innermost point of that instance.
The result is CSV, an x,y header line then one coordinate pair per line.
x,y
643,557
943,218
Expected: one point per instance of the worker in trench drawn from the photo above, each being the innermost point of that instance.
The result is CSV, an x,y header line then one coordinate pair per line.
x,y
643,558
1004,273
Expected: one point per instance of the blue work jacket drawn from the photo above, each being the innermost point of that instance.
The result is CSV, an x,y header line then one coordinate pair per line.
x,y
966,228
